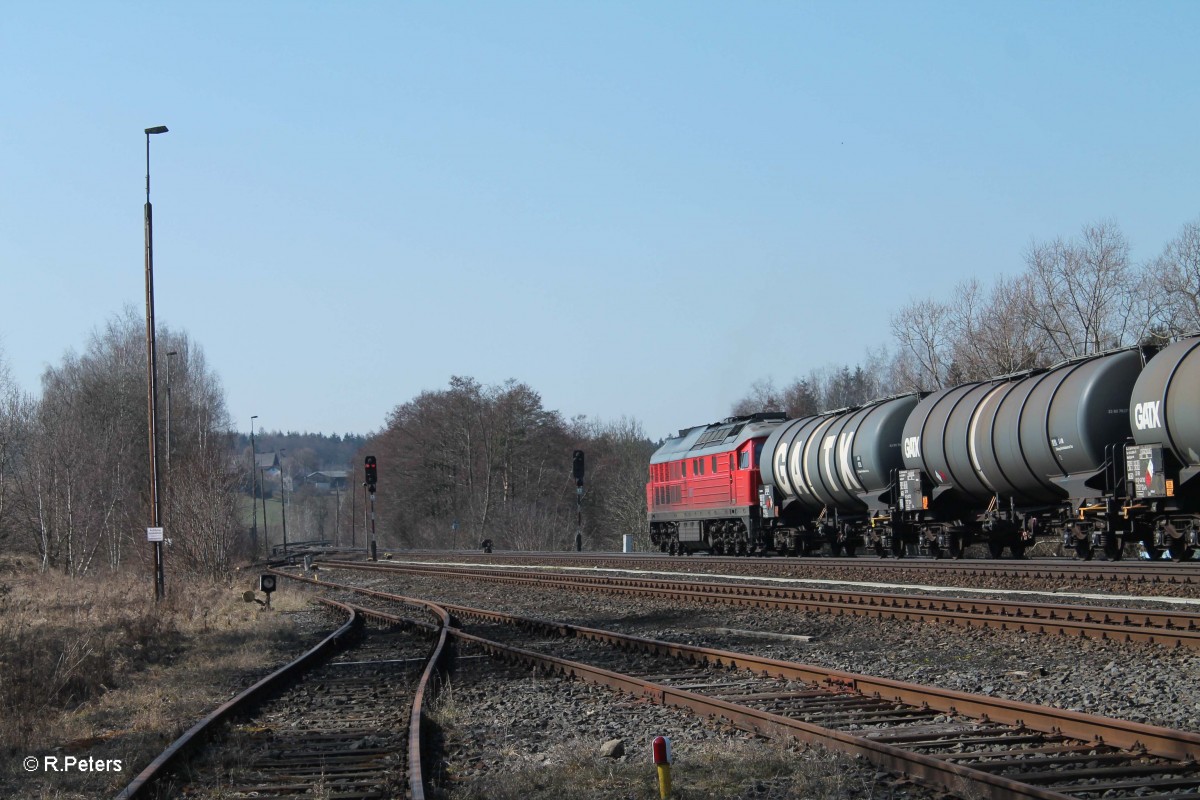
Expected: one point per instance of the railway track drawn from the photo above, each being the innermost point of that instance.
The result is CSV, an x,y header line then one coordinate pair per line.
x,y
342,721
865,568
971,745
1171,628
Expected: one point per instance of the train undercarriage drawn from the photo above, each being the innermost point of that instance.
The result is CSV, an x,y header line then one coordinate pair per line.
x,y
1090,532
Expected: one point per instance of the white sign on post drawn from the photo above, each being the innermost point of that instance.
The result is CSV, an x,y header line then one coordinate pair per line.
x,y
154,534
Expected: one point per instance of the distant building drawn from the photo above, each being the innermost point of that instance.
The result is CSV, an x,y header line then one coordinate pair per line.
x,y
267,465
328,480
266,461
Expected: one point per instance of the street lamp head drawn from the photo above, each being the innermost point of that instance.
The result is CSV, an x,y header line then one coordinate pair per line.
x,y
173,353
254,416
156,129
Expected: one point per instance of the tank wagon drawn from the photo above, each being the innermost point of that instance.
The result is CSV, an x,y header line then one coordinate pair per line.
x,y
1100,451
829,478
1161,504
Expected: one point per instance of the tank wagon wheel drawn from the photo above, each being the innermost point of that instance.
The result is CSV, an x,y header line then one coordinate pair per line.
x,y
1113,547
1180,551
956,546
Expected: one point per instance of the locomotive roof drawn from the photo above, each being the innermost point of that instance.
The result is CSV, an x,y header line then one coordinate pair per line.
x,y
718,437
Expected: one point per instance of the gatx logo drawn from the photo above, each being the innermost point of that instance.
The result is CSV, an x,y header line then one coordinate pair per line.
x,y
1147,415
912,447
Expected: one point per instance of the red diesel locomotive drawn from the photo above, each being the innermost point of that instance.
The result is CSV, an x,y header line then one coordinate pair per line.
x,y
703,492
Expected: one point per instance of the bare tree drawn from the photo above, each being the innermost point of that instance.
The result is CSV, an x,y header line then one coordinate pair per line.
x,y
1082,295
924,341
990,332
471,462
1177,271
763,396
14,430
84,479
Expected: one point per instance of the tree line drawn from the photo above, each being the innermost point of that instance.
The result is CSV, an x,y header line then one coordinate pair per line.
x,y
472,462
1075,296
74,463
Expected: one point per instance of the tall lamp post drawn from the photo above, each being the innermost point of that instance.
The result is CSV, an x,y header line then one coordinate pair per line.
x,y
254,489
262,484
152,382
283,499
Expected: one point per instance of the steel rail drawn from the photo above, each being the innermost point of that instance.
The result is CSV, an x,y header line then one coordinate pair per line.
x,y
416,783
1164,742
1180,746
170,757
1165,627
1146,572
929,769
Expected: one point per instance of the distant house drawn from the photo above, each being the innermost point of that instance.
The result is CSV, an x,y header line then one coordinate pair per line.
x,y
267,472
328,480
266,461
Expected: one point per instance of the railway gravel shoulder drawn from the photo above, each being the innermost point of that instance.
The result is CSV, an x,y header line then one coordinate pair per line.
x,y
1139,682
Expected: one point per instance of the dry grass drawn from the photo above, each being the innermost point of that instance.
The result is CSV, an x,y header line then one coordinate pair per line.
x,y
745,769
93,667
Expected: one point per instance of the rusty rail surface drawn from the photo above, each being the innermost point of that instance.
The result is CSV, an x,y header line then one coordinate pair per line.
x,y
870,567
428,676
1090,732
174,752
186,743
1166,627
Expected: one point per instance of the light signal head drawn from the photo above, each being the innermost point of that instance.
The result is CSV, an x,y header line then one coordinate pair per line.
x,y
577,467
372,473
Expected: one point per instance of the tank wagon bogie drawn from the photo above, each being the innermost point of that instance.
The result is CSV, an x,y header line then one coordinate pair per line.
x,y
1100,452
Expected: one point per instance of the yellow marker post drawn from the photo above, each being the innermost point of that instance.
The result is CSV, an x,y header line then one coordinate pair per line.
x,y
662,760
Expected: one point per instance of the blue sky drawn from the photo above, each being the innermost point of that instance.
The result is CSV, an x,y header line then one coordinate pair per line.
x,y
636,208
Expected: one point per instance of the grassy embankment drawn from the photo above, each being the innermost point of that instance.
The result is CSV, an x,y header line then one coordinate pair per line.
x,y
93,667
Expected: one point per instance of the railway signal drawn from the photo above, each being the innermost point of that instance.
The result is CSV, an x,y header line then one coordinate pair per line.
x,y
266,585
372,476
577,467
372,473
577,473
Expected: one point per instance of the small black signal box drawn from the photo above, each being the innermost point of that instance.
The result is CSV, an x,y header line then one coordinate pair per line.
x,y
371,472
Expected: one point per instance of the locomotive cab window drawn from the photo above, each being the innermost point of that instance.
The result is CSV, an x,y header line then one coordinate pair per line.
x,y
744,459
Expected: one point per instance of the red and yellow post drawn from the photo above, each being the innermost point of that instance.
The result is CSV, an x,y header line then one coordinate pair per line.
x,y
662,760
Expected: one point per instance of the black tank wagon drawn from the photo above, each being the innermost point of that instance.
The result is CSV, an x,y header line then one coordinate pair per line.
x,y
1100,451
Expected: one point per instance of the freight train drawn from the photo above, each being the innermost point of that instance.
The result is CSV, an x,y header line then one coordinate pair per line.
x,y
1100,453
